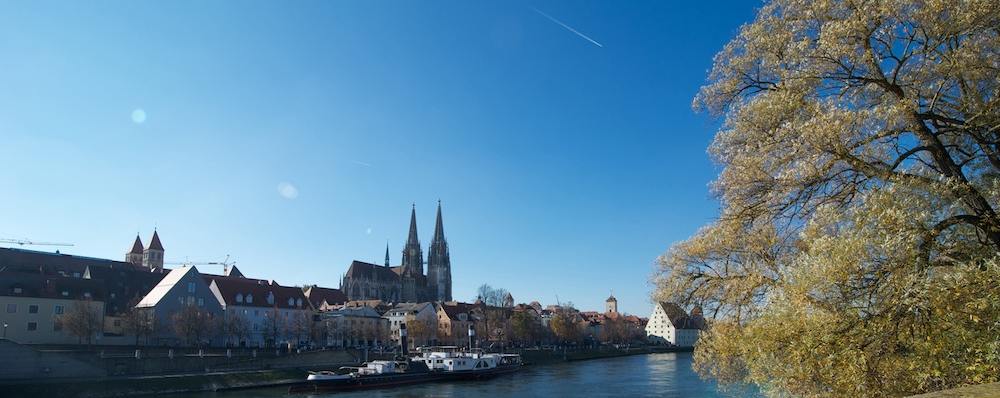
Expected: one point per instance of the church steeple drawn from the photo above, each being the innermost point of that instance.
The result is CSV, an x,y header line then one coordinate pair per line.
x,y
386,254
412,239
439,262
413,256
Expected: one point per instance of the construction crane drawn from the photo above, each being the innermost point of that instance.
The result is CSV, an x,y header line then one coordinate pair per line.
x,y
22,242
226,264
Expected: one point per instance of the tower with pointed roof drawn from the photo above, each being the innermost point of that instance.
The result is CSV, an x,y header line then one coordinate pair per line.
x,y
611,304
387,254
439,263
152,257
413,256
134,256
411,278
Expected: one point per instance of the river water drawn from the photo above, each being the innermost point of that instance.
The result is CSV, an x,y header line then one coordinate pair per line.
x,y
653,375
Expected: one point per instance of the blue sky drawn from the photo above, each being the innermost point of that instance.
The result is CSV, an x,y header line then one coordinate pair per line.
x,y
565,168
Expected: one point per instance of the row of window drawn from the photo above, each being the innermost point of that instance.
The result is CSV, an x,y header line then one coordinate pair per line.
x,y
64,293
240,298
33,309
33,326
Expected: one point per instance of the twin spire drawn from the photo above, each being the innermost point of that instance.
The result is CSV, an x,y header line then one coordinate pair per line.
x,y
413,241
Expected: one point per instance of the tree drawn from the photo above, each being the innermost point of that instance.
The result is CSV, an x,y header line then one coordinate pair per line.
x,y
524,327
192,325
274,326
615,330
419,332
234,327
82,320
565,324
858,233
496,316
137,322
299,326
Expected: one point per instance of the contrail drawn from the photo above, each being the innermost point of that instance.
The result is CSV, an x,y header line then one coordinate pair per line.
x,y
360,163
567,27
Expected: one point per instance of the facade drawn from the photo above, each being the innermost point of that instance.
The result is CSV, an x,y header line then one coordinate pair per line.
x,y
454,320
669,323
354,327
181,288
34,308
262,313
424,313
407,282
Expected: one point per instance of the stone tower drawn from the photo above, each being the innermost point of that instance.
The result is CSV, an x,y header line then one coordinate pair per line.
x,y
413,256
152,257
611,304
439,263
134,256
413,265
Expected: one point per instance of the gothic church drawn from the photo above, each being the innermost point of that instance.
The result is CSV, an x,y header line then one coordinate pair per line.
x,y
405,283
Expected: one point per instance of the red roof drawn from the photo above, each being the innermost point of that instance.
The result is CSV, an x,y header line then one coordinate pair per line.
x,y
318,295
259,290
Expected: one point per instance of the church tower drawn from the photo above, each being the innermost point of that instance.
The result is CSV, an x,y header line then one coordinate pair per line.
x,y
413,256
611,304
439,263
152,257
134,256
413,266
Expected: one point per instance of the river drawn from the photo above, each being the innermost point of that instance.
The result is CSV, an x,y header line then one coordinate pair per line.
x,y
653,375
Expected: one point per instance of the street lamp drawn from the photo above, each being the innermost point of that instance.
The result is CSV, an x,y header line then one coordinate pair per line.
x,y
5,330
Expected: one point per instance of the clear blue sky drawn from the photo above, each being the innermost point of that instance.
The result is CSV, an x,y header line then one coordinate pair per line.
x,y
565,168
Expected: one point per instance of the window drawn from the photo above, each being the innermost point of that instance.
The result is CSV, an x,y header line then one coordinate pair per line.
x,y
11,308
291,302
32,309
58,310
86,294
56,326
270,298
298,302
190,287
118,323
239,297
249,299
65,293
32,326
201,302
18,290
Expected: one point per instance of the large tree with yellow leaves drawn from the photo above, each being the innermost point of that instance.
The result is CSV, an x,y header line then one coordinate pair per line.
x,y
856,249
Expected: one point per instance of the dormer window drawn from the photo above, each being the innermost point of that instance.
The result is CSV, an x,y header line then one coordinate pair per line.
x,y
86,294
18,290
270,298
291,302
249,299
65,293
298,302
239,297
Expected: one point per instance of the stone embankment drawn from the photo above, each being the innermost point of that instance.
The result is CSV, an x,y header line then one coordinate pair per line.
x,y
991,390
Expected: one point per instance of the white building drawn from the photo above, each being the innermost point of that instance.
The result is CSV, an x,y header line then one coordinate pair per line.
x,y
669,323
406,312
263,313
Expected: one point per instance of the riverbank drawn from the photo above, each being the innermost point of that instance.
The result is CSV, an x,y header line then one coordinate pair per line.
x,y
237,380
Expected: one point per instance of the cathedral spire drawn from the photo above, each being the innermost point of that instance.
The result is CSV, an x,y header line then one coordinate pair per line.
x,y
412,239
438,227
386,254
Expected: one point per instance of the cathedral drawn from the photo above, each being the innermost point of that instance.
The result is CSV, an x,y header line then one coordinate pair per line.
x,y
405,283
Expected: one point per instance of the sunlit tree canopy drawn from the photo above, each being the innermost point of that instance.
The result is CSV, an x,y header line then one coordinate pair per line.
x,y
855,250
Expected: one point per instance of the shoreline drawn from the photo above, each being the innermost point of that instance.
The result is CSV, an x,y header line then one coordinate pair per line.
x,y
243,380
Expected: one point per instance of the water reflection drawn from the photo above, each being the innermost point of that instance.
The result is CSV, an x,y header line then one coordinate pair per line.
x,y
656,375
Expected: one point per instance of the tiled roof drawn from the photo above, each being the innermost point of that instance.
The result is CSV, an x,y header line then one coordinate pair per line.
x,y
232,288
53,287
679,318
319,295
161,289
